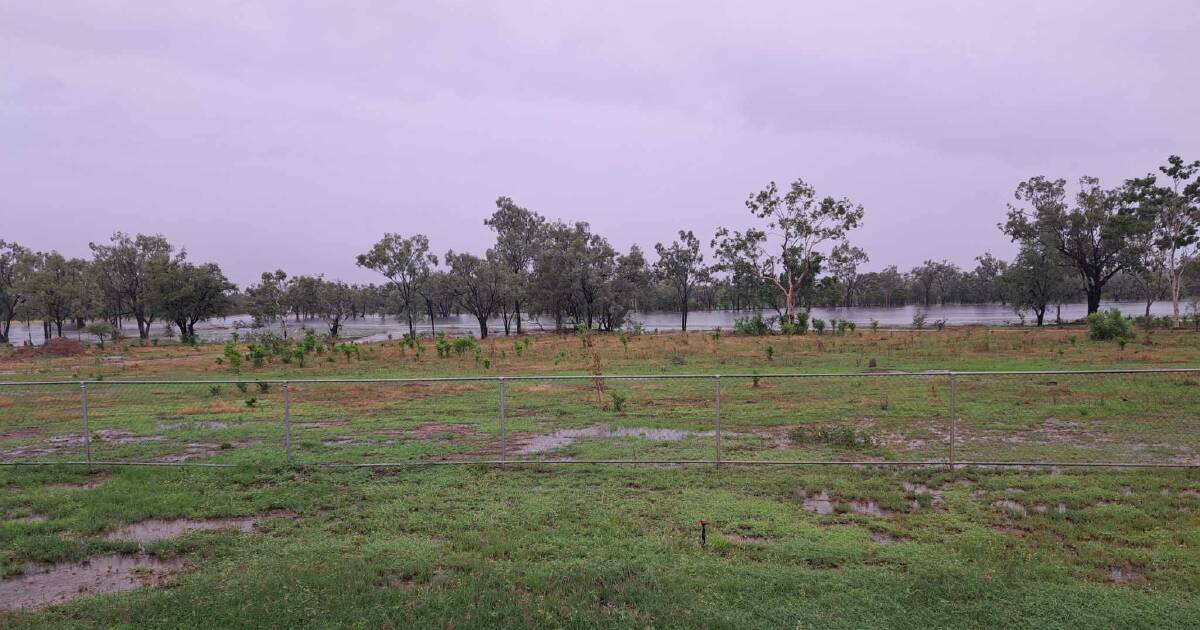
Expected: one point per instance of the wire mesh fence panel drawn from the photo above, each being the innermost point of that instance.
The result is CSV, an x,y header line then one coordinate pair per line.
x,y
41,423
1123,418
186,423
394,422
610,419
835,418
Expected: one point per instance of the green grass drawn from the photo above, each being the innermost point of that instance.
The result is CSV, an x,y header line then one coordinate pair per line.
x,y
586,545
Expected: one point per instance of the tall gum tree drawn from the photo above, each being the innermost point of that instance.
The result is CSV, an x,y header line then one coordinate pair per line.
x,y
788,251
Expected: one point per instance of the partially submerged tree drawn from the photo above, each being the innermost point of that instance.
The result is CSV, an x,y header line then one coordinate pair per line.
x,y
335,302
799,226
481,285
186,294
16,265
519,235
1034,281
681,266
407,263
267,301
1094,236
126,269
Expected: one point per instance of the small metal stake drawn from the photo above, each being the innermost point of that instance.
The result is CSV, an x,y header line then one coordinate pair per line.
x,y
953,416
703,533
503,433
287,422
87,433
717,379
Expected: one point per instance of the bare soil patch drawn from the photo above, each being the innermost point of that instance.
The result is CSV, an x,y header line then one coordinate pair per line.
x,y
42,586
152,530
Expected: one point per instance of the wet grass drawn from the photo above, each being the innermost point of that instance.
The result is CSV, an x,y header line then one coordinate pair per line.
x,y
580,545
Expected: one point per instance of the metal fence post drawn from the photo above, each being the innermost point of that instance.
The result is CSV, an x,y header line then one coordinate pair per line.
x,y
503,433
87,433
717,398
953,416
287,422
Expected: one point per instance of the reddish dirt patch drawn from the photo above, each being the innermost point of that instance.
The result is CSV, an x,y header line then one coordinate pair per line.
x,y
152,530
93,480
21,434
58,347
428,431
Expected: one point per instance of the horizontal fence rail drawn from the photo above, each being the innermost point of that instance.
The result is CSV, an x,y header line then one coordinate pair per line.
x,y
1120,418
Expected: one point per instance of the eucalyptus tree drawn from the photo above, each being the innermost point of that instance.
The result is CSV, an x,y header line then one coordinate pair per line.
x,y
1034,281
55,288
481,285
406,263
572,273
681,266
630,279
1172,212
336,302
788,251
267,301
844,261
187,294
126,268
16,268
519,235
1095,236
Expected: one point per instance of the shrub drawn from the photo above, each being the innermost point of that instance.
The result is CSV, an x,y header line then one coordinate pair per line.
x,y
618,402
214,390
462,344
716,334
231,355
874,325
1108,326
263,387
250,402
797,327
242,387
770,352
818,325
753,326
841,437
939,324
919,320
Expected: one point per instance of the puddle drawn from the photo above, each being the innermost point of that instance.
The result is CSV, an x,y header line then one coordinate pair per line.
x,y
158,529
1122,575
882,538
749,539
820,503
541,443
42,586
21,434
427,431
1011,506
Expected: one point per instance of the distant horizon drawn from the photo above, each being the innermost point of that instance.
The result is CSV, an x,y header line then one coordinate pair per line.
x,y
293,137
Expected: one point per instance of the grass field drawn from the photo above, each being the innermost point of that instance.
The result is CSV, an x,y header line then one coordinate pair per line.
x,y
265,544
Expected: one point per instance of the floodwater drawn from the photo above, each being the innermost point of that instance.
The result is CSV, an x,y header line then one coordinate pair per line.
x,y
375,328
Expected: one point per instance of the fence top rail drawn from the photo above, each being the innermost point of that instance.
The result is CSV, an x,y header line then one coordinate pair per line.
x,y
568,377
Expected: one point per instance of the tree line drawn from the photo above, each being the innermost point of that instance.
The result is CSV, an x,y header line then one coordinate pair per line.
x,y
1137,240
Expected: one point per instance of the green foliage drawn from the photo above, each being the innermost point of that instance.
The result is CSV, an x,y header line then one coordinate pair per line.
x,y
1109,325
624,339
918,320
798,325
874,325
818,325
214,390
716,334
618,401
251,402
462,344
263,387
231,355
770,352
751,326
242,387
840,437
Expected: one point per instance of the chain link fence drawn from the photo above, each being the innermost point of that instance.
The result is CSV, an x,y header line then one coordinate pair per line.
x,y
1135,418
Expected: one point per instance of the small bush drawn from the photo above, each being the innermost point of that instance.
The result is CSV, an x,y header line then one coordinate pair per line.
x,y
1108,326
250,402
242,387
874,325
618,402
918,320
818,325
716,334
770,352
841,437
263,387
214,390
751,326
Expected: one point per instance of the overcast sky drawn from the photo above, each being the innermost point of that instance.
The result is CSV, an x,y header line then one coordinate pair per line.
x,y
293,134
